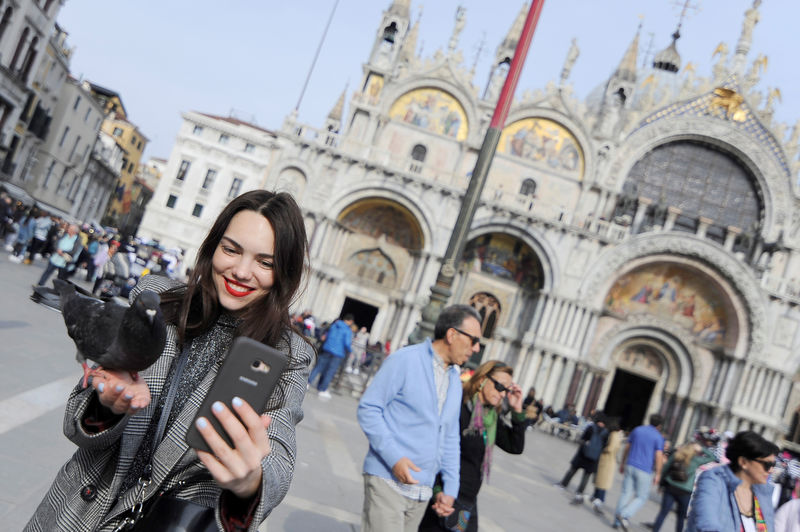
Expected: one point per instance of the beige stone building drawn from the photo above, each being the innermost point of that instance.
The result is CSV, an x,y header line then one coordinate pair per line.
x,y
636,251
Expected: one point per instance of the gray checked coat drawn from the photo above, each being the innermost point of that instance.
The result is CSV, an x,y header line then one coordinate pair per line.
x,y
102,460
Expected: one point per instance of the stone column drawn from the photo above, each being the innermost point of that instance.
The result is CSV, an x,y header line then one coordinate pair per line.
x,y
730,237
544,372
528,377
583,390
562,384
740,389
780,399
552,379
703,225
638,218
769,395
672,215
734,368
319,236
545,321
566,324
755,391
686,416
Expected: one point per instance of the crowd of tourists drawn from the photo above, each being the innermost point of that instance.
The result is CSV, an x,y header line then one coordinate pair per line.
x,y
432,429
112,263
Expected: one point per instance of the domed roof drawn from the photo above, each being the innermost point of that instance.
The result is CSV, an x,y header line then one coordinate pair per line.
x,y
669,59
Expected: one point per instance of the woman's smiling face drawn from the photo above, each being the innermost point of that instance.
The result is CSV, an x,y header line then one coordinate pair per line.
x,y
242,266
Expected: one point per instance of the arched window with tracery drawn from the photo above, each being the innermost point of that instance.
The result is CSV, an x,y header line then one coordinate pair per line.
x,y
699,179
528,187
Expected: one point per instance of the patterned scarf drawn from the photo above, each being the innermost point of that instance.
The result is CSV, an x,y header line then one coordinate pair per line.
x,y
483,422
758,515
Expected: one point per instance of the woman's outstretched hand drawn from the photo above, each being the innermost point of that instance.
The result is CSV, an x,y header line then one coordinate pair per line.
x,y
238,469
119,392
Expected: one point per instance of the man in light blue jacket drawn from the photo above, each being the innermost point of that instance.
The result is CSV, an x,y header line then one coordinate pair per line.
x,y
410,415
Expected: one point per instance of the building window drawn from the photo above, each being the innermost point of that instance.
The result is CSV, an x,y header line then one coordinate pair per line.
x,y
208,182
528,187
223,138
117,132
74,147
182,170
139,146
4,22
97,124
133,139
198,130
63,136
197,211
236,186
171,201
77,103
130,167
249,148
87,115
49,174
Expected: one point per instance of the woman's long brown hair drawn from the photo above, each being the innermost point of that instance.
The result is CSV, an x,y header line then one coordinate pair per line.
x,y
195,308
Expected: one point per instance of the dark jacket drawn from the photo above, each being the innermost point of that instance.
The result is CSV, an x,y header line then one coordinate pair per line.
x,y
510,438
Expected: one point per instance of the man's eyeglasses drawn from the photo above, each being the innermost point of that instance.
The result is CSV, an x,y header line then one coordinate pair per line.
x,y
498,386
766,464
475,339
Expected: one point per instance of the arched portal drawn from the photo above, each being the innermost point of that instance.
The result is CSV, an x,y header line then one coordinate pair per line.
x,y
639,367
378,217
679,294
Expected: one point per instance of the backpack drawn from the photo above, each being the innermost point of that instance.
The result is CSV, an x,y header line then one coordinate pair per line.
x,y
677,471
593,447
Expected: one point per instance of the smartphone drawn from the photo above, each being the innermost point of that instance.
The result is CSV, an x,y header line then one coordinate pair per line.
x,y
250,371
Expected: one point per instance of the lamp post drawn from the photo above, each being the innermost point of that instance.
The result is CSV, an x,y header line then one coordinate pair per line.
x,y
440,292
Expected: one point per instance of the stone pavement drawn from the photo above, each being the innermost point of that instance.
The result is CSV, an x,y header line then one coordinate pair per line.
x,y
38,369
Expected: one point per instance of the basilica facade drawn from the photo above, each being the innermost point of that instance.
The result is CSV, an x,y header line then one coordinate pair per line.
x,y
636,251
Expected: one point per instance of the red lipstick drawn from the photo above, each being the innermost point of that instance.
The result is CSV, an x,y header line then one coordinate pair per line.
x,y
237,293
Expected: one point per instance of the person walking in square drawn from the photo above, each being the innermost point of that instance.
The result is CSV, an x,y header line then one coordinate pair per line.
x,y
66,251
678,481
338,343
410,415
641,466
607,465
593,440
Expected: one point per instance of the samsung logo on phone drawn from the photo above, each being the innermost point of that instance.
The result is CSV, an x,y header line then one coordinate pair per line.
x,y
251,382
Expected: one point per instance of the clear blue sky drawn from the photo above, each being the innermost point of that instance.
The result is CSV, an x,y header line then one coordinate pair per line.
x,y
167,57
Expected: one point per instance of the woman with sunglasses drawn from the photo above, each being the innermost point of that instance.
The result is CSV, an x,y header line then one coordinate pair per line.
x,y
481,429
736,497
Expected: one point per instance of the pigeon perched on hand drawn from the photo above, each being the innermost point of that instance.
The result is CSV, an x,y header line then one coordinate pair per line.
x,y
116,337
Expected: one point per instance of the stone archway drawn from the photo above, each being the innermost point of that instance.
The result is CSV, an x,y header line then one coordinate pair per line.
x,y
640,364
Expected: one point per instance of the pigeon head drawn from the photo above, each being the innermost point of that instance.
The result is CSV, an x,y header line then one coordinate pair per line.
x,y
148,303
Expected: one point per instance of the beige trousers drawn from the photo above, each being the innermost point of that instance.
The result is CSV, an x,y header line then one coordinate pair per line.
x,y
385,510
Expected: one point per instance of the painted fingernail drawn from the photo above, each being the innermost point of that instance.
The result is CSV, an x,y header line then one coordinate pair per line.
x,y
237,401
129,396
120,387
217,407
101,387
202,423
